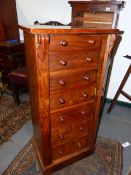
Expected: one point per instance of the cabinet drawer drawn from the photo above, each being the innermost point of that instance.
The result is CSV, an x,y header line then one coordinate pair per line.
x,y
61,135
61,61
68,44
63,118
60,99
94,20
72,79
71,147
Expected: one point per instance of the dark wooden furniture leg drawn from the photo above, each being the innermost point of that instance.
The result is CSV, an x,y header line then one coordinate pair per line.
x,y
120,90
15,89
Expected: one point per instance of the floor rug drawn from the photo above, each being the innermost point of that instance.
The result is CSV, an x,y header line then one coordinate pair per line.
x,y
12,117
105,161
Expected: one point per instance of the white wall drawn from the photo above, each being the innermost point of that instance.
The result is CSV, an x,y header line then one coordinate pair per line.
x,y
59,10
120,63
43,10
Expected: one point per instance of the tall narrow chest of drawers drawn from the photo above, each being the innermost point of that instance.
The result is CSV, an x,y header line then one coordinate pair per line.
x,y
66,70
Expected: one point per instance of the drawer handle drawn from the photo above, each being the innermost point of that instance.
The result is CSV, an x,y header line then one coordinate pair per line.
x,y
89,59
63,63
91,41
87,78
85,94
79,145
62,82
64,43
61,136
81,129
83,112
60,152
61,119
62,101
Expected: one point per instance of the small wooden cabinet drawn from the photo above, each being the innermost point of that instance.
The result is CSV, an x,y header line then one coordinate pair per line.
x,y
96,14
12,56
66,70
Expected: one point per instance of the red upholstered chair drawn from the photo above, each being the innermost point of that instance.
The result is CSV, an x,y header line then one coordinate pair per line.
x,y
18,78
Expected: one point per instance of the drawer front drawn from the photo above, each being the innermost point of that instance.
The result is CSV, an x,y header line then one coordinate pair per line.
x,y
69,97
94,20
68,44
62,61
71,79
63,118
71,147
62,135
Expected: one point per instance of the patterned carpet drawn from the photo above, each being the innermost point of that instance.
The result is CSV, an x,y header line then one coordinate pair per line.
x,y
12,117
105,161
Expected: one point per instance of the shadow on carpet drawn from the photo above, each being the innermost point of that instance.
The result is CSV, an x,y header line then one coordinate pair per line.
x,y
107,160
12,117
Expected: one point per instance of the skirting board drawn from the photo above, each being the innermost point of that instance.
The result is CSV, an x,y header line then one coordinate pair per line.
x,y
121,103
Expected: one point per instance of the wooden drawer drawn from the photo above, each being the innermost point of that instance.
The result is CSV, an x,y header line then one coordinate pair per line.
x,y
61,61
68,97
72,79
70,44
63,134
63,118
81,143
71,147
94,20
81,128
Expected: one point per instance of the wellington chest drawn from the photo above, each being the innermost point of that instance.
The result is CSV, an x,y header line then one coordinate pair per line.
x,y
66,70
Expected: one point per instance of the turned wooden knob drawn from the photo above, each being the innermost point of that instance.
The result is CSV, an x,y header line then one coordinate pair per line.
x,y
60,152
91,41
79,145
81,129
62,119
83,112
61,136
85,94
89,59
64,43
63,62
86,78
62,82
62,101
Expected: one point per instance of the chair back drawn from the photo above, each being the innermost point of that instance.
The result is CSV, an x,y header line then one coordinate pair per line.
x,y
2,31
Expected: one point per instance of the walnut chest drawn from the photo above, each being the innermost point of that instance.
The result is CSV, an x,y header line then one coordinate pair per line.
x,y
66,70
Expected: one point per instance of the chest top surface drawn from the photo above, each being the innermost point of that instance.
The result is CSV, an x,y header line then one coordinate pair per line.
x,y
45,29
